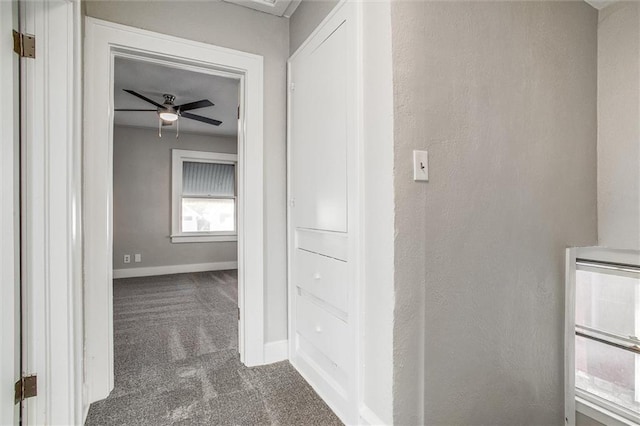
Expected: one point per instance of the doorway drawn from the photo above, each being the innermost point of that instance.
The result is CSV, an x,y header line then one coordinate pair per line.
x,y
107,43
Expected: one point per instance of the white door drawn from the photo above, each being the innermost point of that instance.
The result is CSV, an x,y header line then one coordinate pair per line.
x,y
9,217
323,213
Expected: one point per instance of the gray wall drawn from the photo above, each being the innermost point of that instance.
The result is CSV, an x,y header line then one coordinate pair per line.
x,y
142,199
618,128
305,19
240,28
503,96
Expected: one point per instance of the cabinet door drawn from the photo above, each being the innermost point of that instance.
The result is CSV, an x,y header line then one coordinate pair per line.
x,y
320,134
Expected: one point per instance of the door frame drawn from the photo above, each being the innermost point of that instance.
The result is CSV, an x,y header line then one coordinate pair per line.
x,y
50,212
103,41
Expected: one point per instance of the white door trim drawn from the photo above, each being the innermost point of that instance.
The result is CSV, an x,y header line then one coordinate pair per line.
x,y
52,339
103,41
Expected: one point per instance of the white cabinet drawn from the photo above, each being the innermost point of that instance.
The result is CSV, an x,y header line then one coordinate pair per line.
x,y
320,134
324,224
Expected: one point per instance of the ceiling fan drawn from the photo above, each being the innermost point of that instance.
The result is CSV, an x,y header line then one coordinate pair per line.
x,y
169,113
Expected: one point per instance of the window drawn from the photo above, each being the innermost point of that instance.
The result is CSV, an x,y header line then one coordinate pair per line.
x,y
204,200
607,326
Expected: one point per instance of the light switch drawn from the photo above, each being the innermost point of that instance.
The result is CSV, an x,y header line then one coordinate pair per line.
x,y
137,258
420,166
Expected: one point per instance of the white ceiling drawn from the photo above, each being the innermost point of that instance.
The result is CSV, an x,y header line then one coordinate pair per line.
x,y
600,4
153,80
274,7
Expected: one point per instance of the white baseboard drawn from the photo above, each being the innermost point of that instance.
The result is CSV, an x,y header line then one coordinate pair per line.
x,y
368,417
173,269
276,351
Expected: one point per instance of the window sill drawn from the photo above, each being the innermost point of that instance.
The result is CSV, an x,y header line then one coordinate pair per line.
x,y
602,413
203,238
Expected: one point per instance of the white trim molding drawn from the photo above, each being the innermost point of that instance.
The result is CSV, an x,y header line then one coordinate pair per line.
x,y
276,351
151,271
369,417
51,246
601,414
569,338
103,42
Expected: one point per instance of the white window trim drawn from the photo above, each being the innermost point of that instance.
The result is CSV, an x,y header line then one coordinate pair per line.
x,y
602,411
178,157
575,399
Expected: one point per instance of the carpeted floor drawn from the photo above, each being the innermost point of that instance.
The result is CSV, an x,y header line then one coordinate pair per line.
x,y
176,361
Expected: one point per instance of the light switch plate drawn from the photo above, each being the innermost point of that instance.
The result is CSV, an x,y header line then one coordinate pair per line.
x,y
420,166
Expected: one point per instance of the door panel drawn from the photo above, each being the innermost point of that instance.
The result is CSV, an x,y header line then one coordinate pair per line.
x,y
10,350
319,154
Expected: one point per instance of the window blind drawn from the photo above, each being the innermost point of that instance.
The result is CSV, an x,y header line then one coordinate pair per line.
x,y
208,179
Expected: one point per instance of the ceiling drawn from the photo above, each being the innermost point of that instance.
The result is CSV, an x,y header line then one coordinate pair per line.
x,y
274,7
600,4
153,80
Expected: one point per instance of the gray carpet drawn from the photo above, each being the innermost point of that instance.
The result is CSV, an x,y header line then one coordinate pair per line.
x,y
176,361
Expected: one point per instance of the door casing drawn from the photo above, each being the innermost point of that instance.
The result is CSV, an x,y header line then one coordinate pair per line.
x,y
103,42
50,213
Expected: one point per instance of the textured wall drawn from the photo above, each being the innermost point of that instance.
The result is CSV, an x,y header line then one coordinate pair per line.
x,y
619,126
142,199
240,28
503,96
305,19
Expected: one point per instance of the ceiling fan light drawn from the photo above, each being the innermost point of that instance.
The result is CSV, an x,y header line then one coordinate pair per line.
x,y
168,116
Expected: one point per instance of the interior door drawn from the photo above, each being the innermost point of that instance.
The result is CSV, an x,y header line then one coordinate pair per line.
x,y
323,213
10,350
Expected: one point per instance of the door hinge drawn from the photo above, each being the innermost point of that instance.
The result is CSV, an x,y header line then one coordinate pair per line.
x,y
24,44
292,87
238,313
26,387
238,112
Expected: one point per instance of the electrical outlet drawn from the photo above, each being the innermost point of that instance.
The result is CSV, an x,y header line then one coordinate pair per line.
x,y
127,258
137,258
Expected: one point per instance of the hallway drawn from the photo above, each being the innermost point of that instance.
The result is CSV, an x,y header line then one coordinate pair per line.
x,y
176,361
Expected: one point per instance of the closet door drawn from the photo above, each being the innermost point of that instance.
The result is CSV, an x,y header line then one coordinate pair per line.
x,y
323,213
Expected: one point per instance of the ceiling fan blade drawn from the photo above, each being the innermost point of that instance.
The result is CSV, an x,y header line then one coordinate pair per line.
x,y
127,109
195,105
144,98
200,118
